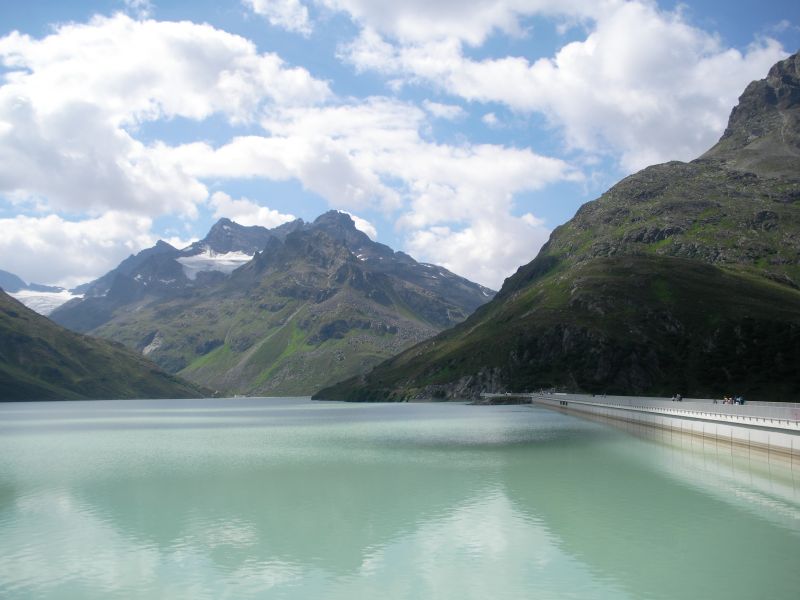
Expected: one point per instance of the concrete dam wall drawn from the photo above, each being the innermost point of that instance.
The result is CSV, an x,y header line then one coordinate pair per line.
x,y
768,429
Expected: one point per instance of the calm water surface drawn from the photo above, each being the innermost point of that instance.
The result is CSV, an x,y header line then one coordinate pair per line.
x,y
287,498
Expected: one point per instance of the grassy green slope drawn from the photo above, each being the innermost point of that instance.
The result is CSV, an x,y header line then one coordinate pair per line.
x,y
288,325
288,354
41,361
642,324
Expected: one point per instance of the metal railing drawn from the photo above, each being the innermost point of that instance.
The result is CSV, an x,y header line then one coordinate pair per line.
x,y
763,414
781,417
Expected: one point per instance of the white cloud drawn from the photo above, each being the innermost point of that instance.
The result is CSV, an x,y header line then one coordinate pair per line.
x,y
45,249
331,150
470,21
383,137
532,220
372,154
241,157
369,51
75,150
246,212
136,71
644,85
141,8
180,242
486,251
321,164
490,119
451,184
451,112
73,161
783,25
289,14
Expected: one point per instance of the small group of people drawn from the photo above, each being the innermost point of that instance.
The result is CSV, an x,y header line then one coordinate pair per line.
x,y
725,400
730,400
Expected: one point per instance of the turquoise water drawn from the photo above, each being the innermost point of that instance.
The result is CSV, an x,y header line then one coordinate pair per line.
x,y
287,498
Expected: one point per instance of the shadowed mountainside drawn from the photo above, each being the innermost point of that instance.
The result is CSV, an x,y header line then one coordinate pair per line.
x,y
41,361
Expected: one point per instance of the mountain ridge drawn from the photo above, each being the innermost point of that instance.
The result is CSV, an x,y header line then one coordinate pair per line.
x,y
318,301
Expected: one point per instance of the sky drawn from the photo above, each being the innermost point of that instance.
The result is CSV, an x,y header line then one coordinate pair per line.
x,y
460,131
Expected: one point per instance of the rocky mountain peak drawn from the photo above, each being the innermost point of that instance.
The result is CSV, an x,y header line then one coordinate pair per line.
x,y
779,91
763,133
335,218
281,231
784,79
228,236
340,226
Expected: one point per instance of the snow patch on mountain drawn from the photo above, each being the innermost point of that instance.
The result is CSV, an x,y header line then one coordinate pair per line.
x,y
211,261
44,302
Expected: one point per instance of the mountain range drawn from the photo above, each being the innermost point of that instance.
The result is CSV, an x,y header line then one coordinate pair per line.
x,y
683,277
283,311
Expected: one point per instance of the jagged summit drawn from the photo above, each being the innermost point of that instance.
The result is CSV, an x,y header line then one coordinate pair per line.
x,y
228,236
336,218
273,311
763,133
341,226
